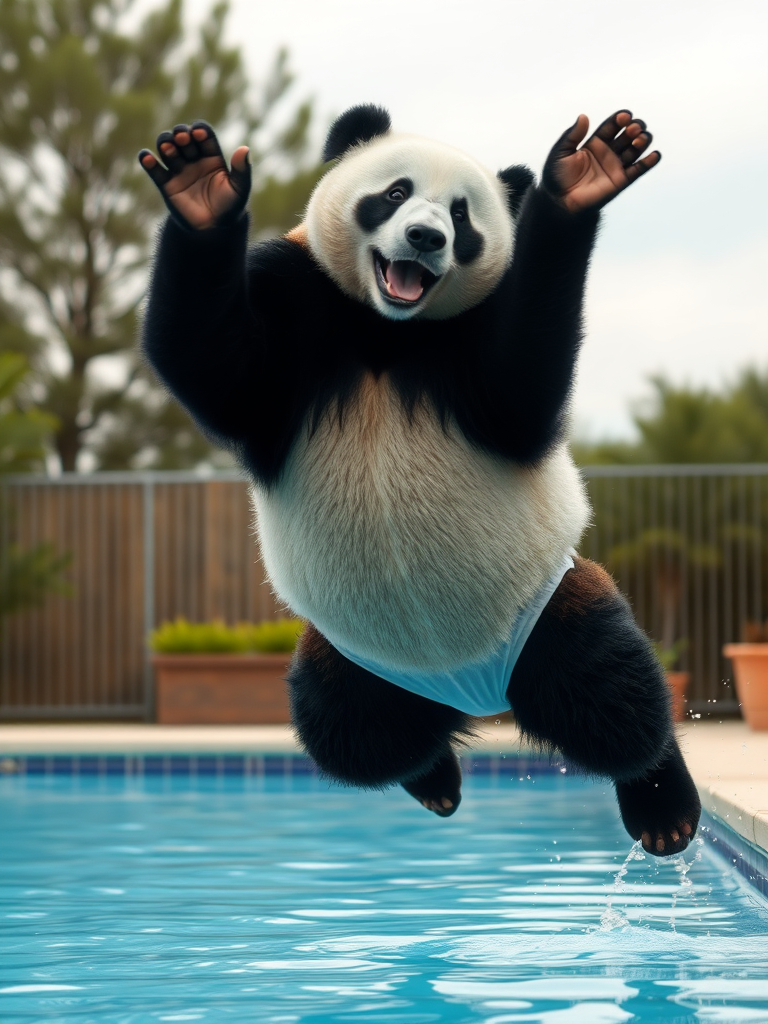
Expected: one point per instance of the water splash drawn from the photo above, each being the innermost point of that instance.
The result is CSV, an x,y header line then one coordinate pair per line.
x,y
612,918
682,866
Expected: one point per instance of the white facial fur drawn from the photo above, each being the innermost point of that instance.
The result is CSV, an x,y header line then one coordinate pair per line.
x,y
440,175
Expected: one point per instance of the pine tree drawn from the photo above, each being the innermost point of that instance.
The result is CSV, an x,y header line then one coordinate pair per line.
x,y
80,93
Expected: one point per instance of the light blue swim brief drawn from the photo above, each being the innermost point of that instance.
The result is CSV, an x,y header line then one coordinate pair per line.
x,y
479,688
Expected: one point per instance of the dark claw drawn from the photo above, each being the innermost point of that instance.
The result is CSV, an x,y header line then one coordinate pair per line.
x,y
157,172
175,162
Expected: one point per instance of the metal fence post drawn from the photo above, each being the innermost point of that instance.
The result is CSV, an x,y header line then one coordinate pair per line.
x,y
149,593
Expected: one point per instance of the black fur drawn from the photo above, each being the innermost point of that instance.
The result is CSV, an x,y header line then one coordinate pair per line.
x,y
468,243
442,782
374,210
255,348
358,124
361,729
518,180
588,682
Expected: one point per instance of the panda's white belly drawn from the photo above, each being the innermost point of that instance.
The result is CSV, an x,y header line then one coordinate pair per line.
x,y
403,543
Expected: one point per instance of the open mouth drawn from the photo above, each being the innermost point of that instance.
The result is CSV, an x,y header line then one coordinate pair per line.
x,y
402,282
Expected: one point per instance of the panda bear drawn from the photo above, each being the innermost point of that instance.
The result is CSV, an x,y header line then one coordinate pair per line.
x,y
394,376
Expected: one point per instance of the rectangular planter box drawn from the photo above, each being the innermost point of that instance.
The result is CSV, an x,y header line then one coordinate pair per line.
x,y
221,689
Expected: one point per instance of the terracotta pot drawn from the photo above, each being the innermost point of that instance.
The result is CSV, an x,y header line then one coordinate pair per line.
x,y
750,667
221,689
678,683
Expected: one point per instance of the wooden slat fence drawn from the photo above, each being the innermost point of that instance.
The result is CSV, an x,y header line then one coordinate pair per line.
x,y
145,548
688,544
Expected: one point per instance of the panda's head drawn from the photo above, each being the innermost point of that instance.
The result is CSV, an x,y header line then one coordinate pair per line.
x,y
411,227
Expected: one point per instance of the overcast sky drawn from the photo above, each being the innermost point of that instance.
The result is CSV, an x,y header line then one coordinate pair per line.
x,y
678,282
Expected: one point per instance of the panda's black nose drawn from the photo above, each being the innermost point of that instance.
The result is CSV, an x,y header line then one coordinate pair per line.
x,y
425,239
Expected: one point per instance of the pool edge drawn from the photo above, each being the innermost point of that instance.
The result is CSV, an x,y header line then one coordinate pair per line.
x,y
750,860
736,802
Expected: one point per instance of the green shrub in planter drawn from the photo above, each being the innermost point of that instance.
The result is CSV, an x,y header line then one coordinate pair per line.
x,y
274,635
669,656
183,637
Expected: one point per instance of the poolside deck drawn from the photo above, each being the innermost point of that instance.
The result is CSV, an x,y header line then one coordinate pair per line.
x,y
728,761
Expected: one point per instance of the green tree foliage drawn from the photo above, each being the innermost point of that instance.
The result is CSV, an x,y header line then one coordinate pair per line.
x,y
23,432
26,575
695,425
80,93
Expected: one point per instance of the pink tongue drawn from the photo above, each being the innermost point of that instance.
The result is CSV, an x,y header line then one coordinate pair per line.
x,y
404,280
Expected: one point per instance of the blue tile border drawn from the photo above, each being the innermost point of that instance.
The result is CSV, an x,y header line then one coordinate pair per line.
x,y
748,859
495,766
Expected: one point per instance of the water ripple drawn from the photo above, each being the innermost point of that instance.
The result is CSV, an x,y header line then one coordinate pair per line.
x,y
289,902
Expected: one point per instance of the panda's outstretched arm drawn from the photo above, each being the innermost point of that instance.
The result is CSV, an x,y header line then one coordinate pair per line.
x,y
535,317
532,326
201,333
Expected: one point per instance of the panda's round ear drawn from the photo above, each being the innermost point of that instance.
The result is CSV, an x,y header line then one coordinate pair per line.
x,y
518,180
358,124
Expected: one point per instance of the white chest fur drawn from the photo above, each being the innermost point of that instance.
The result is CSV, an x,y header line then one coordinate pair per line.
x,y
405,544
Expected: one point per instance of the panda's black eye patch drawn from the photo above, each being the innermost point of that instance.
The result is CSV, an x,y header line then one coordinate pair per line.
x,y
375,210
468,243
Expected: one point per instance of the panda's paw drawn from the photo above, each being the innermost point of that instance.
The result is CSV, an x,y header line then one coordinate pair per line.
x,y
608,162
661,809
439,790
194,181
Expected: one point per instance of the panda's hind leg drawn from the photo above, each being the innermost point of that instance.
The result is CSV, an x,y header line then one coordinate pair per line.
x,y
365,731
588,684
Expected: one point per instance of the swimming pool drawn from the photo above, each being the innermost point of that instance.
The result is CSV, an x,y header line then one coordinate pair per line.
x,y
276,899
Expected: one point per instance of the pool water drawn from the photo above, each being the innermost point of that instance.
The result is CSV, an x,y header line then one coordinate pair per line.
x,y
281,900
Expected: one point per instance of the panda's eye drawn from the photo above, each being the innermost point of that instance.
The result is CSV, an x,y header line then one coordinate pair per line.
x,y
458,215
397,194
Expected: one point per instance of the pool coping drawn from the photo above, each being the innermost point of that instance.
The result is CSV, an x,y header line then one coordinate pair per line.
x,y
749,860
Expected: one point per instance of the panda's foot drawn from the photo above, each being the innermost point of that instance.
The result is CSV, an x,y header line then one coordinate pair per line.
x,y
661,809
439,790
